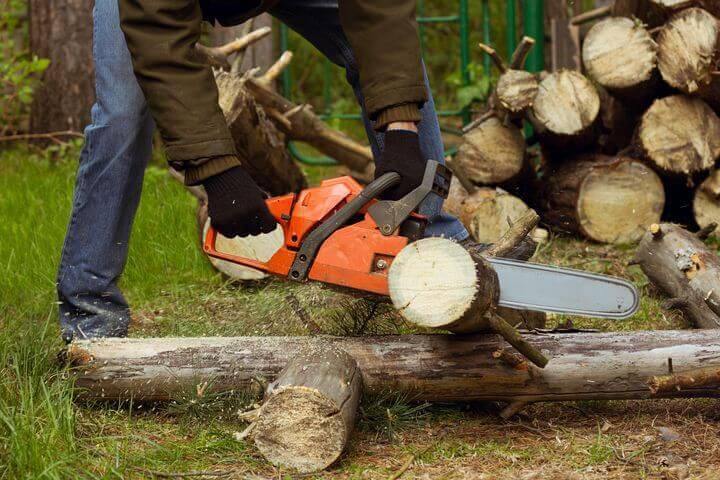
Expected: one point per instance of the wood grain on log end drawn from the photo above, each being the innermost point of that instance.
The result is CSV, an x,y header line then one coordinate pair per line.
x,y
516,90
436,283
706,202
680,135
490,212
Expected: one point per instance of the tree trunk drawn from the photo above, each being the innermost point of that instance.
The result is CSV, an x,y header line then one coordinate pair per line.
x,y
706,202
566,111
439,368
309,410
685,270
61,30
621,56
689,51
606,199
260,145
680,136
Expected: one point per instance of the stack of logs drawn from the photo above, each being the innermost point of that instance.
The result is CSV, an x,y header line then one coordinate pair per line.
x,y
633,139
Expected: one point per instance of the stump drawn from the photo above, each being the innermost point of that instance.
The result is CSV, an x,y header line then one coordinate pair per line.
x,y
689,51
606,199
683,268
436,283
621,56
680,135
566,111
706,201
309,411
492,153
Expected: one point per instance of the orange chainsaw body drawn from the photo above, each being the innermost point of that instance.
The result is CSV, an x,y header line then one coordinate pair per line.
x,y
356,256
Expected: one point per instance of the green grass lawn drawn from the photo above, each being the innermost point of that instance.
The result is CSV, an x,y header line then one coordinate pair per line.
x,y
173,291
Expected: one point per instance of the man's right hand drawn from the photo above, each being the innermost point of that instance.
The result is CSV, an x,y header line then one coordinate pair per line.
x,y
236,205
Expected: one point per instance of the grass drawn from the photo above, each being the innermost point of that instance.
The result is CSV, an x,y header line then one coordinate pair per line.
x,y
173,291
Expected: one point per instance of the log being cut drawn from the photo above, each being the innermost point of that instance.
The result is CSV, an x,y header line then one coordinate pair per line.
x,y
606,199
439,368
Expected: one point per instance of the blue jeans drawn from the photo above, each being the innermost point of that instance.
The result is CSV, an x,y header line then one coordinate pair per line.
x,y
117,148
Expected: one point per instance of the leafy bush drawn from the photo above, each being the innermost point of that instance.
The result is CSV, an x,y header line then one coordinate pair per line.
x,y
19,71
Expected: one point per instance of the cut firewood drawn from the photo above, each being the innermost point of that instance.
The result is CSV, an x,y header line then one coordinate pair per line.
x,y
682,267
680,135
606,199
706,202
492,153
438,368
566,111
621,56
516,91
490,212
689,51
259,144
436,283
619,121
309,411
649,12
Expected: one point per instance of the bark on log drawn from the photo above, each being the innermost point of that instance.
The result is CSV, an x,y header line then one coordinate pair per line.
x,y
619,122
305,126
61,31
621,56
680,135
309,411
706,202
259,144
689,51
606,199
492,153
437,283
682,267
566,111
599,366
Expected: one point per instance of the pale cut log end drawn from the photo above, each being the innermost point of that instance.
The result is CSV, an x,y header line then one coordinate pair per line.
x,y
619,54
490,212
681,135
706,202
436,283
516,90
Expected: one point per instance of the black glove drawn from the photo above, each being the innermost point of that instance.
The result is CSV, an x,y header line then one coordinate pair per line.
x,y
401,155
236,204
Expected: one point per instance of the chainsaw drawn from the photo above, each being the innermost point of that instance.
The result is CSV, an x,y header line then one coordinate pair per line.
x,y
341,234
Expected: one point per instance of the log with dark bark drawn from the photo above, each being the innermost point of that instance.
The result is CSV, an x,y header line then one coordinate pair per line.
x,y
706,201
599,366
309,411
566,111
689,51
619,122
649,12
621,56
62,31
680,136
606,199
682,267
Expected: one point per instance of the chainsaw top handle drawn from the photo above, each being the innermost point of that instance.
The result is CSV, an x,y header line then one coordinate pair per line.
x,y
391,214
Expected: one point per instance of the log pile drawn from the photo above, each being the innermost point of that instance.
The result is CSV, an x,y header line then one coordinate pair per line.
x,y
630,141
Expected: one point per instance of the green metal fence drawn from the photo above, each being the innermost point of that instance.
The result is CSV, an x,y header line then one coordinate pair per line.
x,y
533,26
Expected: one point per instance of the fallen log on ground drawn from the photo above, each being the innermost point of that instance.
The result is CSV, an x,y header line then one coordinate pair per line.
x,y
440,368
680,136
606,199
309,410
683,268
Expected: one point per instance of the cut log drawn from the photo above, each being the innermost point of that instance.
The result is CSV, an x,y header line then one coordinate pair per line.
x,y
619,122
689,51
680,135
649,12
436,283
621,56
683,268
606,199
437,368
309,410
492,153
516,91
706,202
259,144
490,212
566,111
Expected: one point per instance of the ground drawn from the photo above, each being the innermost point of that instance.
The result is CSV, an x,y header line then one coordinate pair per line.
x,y
174,292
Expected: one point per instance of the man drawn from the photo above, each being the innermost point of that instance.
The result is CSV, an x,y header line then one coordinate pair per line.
x,y
381,56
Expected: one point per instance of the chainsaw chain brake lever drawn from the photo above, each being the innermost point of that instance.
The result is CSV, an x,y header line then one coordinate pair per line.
x,y
388,215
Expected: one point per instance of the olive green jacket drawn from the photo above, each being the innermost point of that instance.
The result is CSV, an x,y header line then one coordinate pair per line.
x,y
181,91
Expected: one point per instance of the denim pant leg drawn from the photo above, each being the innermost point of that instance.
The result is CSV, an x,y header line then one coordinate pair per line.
x,y
319,22
118,145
